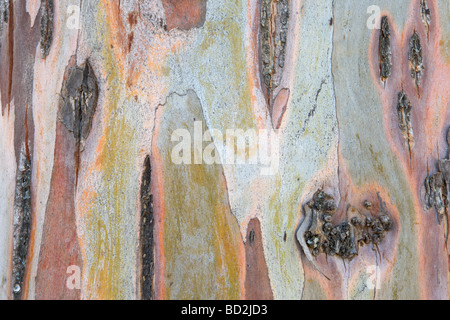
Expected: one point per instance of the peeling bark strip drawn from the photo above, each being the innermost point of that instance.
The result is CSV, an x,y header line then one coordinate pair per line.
x,y
437,187
59,247
199,242
273,39
26,43
147,223
79,95
22,223
416,60
404,120
345,238
385,50
184,14
425,15
46,26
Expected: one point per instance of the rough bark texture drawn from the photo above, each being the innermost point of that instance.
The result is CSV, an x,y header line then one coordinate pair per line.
x,y
356,208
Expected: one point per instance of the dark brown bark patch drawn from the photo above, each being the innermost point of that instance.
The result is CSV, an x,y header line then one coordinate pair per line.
x,y
425,15
345,238
79,96
273,37
437,187
22,224
385,49
132,19
416,60
404,120
46,27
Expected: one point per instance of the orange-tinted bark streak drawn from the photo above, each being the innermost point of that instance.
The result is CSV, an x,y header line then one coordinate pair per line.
x,y
159,215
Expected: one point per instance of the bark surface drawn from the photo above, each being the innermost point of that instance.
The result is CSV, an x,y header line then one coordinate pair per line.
x,y
353,98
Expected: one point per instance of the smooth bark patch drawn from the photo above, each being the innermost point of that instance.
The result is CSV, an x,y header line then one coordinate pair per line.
x,y
184,14
60,247
257,282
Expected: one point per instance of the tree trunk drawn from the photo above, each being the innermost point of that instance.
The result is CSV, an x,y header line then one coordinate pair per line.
x,y
212,149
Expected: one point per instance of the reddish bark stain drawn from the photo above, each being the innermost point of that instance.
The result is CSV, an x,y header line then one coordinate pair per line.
x,y
26,41
257,283
16,78
60,248
132,19
184,14
130,40
279,107
6,58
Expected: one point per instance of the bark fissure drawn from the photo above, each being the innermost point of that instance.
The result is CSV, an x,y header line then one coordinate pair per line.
x,y
385,50
46,27
416,60
79,95
146,233
425,15
22,223
274,24
404,120
437,188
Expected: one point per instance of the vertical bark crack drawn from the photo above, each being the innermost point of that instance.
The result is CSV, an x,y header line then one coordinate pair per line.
x,y
46,27
404,119
146,233
22,223
273,40
385,50
416,60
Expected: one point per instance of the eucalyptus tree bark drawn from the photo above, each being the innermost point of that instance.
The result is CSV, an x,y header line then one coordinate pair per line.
x,y
120,178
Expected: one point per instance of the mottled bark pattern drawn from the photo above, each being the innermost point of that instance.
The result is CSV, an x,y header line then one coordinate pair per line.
x,y
94,204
